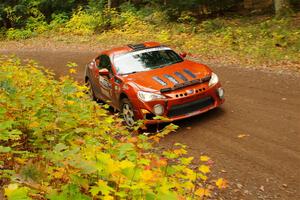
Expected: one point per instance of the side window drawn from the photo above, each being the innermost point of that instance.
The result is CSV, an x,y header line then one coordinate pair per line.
x,y
105,62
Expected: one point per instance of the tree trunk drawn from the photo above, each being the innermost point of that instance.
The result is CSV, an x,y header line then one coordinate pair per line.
x,y
248,4
109,2
281,6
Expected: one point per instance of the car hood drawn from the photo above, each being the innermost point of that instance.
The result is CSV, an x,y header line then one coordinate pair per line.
x,y
169,76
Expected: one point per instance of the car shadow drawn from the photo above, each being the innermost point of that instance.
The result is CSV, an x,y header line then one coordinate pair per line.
x,y
202,118
206,117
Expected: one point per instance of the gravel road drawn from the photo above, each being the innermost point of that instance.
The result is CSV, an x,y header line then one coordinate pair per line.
x,y
254,138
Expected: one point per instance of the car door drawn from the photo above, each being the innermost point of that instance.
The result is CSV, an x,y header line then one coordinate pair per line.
x,y
106,79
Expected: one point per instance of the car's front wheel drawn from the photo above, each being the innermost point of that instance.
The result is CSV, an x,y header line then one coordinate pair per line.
x,y
127,112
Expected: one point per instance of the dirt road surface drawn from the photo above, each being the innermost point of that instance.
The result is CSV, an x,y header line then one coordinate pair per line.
x,y
254,138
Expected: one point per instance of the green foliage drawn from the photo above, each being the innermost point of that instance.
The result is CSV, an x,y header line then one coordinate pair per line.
x,y
58,20
186,17
213,25
58,144
18,34
14,192
83,23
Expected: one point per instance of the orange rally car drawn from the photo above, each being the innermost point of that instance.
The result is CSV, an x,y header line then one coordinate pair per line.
x,y
147,80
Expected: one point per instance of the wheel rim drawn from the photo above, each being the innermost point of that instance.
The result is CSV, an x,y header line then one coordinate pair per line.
x,y
128,114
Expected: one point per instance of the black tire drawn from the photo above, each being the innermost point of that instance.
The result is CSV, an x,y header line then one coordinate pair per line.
x,y
90,91
127,112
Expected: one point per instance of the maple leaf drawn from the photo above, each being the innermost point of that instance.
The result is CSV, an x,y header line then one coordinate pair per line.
x,y
221,183
204,158
180,151
147,175
10,188
72,71
204,169
202,192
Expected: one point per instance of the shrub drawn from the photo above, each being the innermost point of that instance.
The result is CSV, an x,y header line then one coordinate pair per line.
x,y
186,17
212,25
18,34
58,144
58,20
37,24
83,23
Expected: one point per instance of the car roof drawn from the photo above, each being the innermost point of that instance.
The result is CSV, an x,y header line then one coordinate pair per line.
x,y
130,48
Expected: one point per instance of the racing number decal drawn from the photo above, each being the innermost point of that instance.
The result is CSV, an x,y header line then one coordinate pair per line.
x,y
105,86
104,82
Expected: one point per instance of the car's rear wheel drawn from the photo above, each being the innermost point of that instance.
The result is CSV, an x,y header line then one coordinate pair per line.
x,y
127,112
90,91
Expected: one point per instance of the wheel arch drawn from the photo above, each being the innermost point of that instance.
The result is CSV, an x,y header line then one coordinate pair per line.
x,y
122,96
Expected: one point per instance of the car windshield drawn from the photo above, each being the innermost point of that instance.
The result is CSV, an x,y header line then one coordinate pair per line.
x,y
145,60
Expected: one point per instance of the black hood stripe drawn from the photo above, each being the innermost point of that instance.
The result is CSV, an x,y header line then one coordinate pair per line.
x,y
171,78
156,78
189,73
181,76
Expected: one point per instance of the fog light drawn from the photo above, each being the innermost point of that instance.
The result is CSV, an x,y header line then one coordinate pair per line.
x,y
220,92
158,109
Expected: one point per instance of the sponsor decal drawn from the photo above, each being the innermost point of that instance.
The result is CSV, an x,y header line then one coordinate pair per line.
x,y
104,82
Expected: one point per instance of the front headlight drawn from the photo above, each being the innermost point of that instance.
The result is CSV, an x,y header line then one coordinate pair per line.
x,y
213,80
149,96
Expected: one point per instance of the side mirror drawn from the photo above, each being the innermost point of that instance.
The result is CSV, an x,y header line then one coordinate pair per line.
x,y
183,55
103,72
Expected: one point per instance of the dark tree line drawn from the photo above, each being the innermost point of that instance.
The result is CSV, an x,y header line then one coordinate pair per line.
x,y
14,13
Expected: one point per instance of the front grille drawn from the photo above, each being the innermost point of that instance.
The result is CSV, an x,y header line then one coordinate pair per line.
x,y
189,107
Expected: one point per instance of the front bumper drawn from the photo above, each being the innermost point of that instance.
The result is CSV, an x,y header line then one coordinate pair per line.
x,y
183,106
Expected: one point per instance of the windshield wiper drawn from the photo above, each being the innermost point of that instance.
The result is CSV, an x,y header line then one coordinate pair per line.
x,y
130,73
166,64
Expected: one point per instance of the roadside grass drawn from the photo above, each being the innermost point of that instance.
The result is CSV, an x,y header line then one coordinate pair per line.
x,y
252,41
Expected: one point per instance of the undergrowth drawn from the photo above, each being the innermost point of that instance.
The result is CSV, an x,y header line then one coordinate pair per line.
x,y
58,144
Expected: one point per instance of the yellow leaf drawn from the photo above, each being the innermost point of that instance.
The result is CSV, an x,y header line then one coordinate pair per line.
x,y
34,124
79,94
203,177
202,192
126,164
147,175
108,198
204,169
20,160
70,102
59,173
112,167
204,158
72,71
191,175
180,151
10,189
221,183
